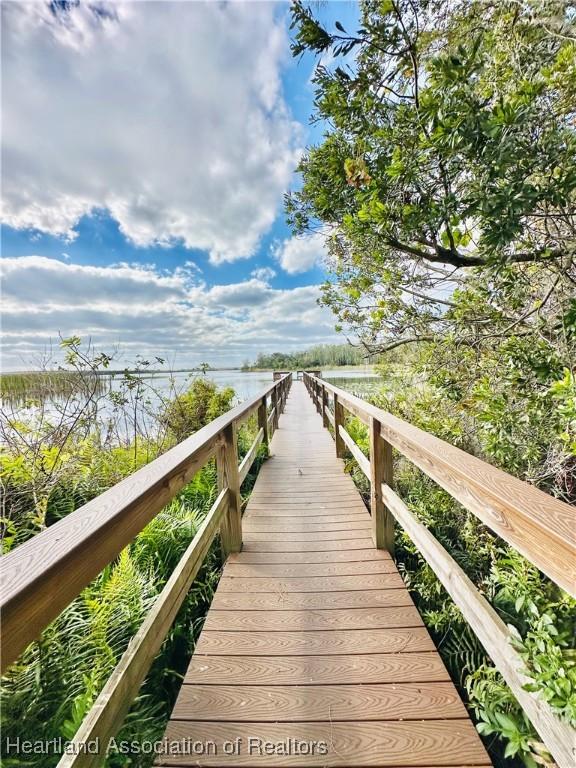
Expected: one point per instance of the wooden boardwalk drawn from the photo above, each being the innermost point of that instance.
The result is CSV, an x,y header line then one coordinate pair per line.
x,y
312,653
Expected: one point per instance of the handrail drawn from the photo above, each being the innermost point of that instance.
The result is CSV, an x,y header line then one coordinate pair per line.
x,y
248,460
536,524
41,577
106,715
359,457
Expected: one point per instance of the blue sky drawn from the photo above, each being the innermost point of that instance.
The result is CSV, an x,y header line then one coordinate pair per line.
x,y
146,152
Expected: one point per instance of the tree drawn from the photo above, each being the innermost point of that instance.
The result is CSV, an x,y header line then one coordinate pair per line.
x,y
446,181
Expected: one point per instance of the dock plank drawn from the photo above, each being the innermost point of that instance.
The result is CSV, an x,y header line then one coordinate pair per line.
x,y
309,703
230,583
306,546
306,621
411,744
357,669
342,556
308,570
301,643
290,601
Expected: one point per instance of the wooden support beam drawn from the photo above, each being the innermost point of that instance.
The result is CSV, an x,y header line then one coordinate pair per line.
x,y
227,466
270,421
263,421
324,407
359,457
248,460
381,471
339,418
275,408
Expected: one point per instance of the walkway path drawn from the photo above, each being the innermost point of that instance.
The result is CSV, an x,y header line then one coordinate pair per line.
x,y
312,653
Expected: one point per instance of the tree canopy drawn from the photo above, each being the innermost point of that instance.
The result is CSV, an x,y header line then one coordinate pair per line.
x,y
445,183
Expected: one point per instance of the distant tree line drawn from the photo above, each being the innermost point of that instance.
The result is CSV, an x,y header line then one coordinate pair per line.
x,y
321,355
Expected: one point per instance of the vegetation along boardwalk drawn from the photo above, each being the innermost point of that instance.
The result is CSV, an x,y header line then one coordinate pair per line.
x,y
312,653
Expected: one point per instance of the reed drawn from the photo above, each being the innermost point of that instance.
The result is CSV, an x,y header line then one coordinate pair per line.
x,y
43,385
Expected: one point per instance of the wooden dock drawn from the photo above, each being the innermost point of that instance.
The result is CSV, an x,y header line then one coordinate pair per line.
x,y
312,653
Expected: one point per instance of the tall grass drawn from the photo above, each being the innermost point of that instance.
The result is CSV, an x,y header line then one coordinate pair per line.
x,y
44,385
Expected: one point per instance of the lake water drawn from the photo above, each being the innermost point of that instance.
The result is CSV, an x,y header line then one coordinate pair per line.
x,y
152,390
249,383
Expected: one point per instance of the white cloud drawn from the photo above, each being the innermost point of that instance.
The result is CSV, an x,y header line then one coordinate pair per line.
x,y
244,295
152,312
263,273
168,114
300,254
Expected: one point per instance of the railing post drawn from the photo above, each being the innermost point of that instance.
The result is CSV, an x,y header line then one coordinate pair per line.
x,y
276,406
263,420
227,470
338,419
324,407
380,472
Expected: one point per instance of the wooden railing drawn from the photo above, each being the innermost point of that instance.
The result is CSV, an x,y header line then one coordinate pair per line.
x,y
45,574
539,526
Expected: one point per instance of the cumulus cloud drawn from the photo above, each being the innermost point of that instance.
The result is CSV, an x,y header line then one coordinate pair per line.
x,y
170,115
263,273
32,281
152,312
300,254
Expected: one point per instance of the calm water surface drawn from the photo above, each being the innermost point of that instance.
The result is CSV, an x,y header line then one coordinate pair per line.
x,y
156,389
248,383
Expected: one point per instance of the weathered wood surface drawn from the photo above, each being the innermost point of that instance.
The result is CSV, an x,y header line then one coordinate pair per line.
x,y
228,477
248,460
312,634
381,471
315,601
277,703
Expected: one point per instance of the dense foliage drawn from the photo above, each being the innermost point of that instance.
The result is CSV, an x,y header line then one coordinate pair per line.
x,y
198,406
445,186
319,356
57,455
